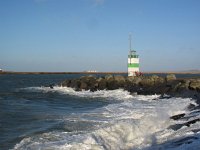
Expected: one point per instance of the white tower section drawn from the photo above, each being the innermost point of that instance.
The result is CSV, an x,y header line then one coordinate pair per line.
x,y
133,61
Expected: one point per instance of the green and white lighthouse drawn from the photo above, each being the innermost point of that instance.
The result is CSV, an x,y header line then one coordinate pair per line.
x,y
133,61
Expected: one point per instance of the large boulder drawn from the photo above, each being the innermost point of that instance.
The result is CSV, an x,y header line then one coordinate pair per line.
x,y
184,85
88,83
159,81
174,85
155,77
195,85
102,84
66,83
146,82
120,80
134,80
112,84
83,85
108,77
88,78
141,85
170,77
75,83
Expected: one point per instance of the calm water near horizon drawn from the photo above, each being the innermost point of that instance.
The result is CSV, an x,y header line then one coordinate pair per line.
x,y
33,116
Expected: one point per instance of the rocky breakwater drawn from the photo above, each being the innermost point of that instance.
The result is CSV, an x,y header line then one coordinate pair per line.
x,y
145,85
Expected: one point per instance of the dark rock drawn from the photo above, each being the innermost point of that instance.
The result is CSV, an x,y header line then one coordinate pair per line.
x,y
191,122
88,83
173,84
195,85
175,127
51,86
102,84
191,107
178,126
134,80
176,117
112,84
66,83
184,85
75,83
130,78
145,82
120,79
140,85
83,85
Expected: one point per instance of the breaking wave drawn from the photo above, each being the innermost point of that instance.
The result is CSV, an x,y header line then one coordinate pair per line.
x,y
134,122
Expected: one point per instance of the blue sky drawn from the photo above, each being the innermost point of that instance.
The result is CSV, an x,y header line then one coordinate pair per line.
x,y
78,35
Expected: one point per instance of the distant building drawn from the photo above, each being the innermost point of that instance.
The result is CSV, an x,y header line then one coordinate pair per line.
x,y
91,71
1,70
133,61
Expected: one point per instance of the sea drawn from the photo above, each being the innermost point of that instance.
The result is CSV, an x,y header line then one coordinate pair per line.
x,y
34,116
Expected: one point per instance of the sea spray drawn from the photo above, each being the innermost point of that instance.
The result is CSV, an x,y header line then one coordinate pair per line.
x,y
134,122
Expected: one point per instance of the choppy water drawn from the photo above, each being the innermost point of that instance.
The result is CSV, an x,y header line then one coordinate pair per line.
x,y
33,117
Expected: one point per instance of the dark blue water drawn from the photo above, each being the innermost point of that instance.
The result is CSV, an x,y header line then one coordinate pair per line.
x,y
25,113
33,116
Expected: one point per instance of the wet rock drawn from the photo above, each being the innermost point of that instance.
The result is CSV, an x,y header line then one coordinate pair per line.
x,y
141,85
191,107
174,85
195,85
102,84
136,80
178,126
51,86
75,83
184,85
176,117
158,81
88,83
145,82
120,79
112,84
108,77
83,85
191,122
170,77
66,83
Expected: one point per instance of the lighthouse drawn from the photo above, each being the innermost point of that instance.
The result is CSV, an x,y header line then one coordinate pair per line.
x,y
133,61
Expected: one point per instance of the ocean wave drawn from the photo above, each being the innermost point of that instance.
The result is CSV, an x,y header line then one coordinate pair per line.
x,y
140,122
118,94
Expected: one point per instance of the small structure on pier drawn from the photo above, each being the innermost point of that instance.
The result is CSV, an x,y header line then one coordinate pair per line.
x,y
133,61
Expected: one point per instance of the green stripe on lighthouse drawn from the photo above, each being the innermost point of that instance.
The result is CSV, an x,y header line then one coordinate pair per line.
x,y
133,65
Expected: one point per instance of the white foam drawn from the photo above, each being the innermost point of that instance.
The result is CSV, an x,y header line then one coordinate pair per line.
x,y
118,94
135,122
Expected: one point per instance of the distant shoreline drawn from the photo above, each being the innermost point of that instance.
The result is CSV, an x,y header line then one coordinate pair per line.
x,y
13,72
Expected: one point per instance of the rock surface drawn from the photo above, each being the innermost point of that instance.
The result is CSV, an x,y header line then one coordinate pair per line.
x,y
144,85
